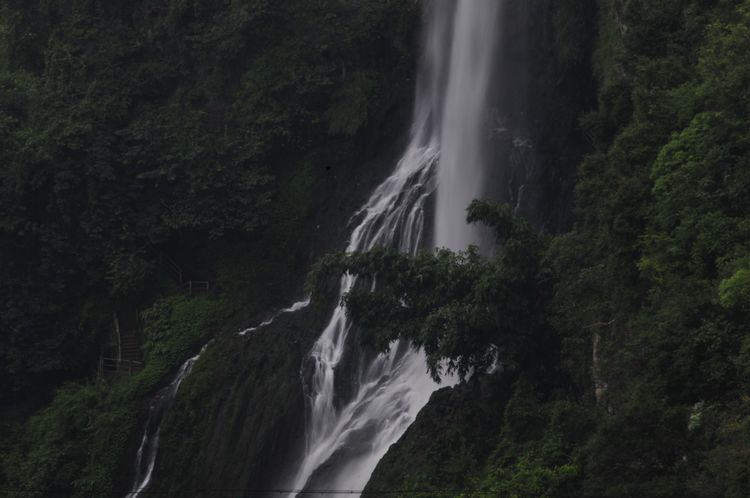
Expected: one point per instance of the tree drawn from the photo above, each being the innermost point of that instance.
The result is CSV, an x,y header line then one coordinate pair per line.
x,y
465,310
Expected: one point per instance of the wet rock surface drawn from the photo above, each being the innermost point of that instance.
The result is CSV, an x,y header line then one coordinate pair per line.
x,y
239,414
451,436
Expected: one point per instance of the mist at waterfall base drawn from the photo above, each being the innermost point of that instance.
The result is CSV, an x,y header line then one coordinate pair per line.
x,y
359,404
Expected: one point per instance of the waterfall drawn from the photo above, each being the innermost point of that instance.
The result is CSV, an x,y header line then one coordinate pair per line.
x,y
291,309
461,171
145,458
350,428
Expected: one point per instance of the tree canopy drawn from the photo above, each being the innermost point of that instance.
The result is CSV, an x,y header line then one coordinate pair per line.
x,y
129,128
460,307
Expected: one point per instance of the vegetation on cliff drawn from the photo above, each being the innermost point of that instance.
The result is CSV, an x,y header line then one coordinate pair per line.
x,y
129,129
465,311
206,131
649,394
75,446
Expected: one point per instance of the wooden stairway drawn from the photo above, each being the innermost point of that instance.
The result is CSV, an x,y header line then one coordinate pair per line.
x,y
129,358
130,347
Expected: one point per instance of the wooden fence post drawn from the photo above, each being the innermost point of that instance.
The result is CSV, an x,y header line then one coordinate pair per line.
x,y
119,340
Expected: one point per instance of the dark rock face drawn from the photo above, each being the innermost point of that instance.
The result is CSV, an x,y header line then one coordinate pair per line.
x,y
239,414
543,84
452,434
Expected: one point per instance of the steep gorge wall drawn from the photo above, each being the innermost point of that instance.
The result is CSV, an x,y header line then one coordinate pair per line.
x,y
543,85
176,109
239,434
647,395
240,415
546,83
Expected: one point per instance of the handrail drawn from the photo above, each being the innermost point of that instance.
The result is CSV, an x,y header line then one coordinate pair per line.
x,y
119,336
113,365
115,360
191,285
172,265
196,283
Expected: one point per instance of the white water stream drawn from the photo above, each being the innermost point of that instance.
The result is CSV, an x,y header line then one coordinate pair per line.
x,y
291,309
145,459
345,438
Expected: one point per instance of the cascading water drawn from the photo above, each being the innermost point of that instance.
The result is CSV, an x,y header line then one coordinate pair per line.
x,y
291,309
462,132
346,438
145,459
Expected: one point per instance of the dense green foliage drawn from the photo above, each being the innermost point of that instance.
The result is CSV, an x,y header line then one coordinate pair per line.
x,y
187,127
130,128
460,307
77,445
663,210
468,313
650,292
206,131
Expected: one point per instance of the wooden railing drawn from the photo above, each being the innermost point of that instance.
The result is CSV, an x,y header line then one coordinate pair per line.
x,y
192,286
171,266
119,367
175,271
